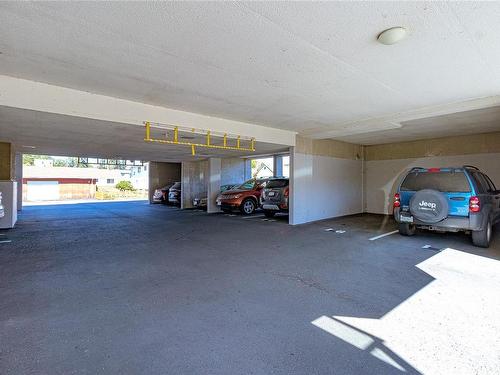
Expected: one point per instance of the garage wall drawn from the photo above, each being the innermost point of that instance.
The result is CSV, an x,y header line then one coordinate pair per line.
x,y
235,170
161,174
194,181
326,180
5,161
385,165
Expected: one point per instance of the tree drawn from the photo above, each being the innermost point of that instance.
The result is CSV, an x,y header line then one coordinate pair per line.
x,y
29,159
125,186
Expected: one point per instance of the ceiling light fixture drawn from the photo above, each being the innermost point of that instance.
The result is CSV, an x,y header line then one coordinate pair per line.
x,y
392,35
25,146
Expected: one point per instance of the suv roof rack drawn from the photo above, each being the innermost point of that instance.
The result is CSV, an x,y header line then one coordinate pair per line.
x,y
471,167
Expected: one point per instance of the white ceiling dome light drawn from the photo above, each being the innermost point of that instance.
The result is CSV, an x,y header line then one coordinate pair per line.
x,y
392,35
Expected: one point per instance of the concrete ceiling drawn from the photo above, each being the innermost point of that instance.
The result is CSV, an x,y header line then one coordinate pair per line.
x,y
311,67
34,132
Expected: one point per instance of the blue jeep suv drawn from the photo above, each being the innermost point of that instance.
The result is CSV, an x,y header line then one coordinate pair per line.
x,y
448,199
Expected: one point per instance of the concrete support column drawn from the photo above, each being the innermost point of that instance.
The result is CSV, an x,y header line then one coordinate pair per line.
x,y
214,183
18,176
278,166
8,187
248,169
194,182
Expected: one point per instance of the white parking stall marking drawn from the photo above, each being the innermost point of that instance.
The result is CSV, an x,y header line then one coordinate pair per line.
x,y
5,241
252,217
383,235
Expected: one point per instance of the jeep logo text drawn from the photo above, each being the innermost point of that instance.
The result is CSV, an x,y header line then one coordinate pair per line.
x,y
427,204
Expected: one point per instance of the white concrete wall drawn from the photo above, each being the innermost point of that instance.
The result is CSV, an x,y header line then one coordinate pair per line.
x,y
213,184
383,176
234,170
194,181
324,187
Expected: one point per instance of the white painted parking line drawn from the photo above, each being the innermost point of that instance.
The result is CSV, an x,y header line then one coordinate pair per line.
x,y
5,241
253,217
383,235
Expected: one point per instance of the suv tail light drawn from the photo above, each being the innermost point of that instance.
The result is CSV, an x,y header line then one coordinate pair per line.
x,y
286,192
397,201
474,204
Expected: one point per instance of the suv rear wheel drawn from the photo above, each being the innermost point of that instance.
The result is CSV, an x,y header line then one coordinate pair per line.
x,y
248,206
482,238
407,229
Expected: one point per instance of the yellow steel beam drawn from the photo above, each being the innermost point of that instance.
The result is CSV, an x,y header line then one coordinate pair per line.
x,y
208,143
220,147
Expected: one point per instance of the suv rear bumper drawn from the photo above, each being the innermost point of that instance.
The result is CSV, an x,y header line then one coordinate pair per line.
x,y
273,205
451,223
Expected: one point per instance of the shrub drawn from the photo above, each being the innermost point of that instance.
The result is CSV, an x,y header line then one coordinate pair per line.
x,y
125,186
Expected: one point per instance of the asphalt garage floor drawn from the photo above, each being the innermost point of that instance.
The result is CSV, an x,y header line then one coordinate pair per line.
x,y
129,288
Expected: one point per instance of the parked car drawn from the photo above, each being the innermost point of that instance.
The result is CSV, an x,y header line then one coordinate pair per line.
x,y
174,194
202,201
161,195
245,197
274,197
448,199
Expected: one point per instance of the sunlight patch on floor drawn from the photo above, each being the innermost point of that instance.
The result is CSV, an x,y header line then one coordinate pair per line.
x,y
452,325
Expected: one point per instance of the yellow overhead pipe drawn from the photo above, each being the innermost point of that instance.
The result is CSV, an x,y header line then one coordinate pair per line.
x,y
208,143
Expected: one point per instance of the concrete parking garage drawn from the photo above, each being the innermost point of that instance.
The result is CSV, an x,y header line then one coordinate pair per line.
x,y
330,288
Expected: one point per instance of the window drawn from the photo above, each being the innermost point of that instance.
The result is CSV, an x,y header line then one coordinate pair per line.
x,y
277,183
247,185
491,185
110,181
482,185
262,168
453,182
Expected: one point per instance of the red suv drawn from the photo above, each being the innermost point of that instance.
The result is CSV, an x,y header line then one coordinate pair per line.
x,y
245,197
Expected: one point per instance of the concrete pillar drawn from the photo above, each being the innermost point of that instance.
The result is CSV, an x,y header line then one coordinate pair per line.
x,y
248,169
18,176
214,183
278,166
194,182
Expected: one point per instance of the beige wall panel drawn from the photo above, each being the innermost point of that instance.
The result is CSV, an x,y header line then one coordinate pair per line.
x,y
461,145
6,161
328,147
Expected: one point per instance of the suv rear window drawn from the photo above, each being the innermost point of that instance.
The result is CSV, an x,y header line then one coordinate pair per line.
x,y
453,182
277,184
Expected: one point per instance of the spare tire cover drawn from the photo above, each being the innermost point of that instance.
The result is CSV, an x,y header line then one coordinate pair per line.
x,y
429,206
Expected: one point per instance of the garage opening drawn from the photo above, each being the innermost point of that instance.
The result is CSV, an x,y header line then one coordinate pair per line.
x,y
62,179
